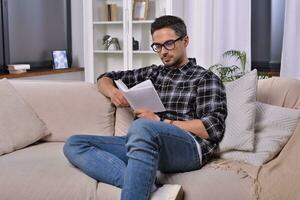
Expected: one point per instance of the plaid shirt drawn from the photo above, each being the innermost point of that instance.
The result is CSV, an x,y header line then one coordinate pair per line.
x,y
189,92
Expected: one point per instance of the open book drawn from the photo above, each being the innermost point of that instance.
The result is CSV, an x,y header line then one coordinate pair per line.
x,y
142,96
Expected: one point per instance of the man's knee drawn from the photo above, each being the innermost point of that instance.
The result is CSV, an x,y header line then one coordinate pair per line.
x,y
141,132
140,126
71,145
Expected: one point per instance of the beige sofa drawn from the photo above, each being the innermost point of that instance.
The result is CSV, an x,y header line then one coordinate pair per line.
x,y
40,171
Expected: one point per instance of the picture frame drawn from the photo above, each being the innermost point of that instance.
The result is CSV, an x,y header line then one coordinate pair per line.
x,y
60,60
140,9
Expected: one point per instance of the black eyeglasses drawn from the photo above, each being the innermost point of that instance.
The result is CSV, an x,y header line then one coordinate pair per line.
x,y
169,45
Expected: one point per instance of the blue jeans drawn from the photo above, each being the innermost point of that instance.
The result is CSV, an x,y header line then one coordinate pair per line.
x,y
130,162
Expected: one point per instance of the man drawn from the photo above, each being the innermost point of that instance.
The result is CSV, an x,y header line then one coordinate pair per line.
x,y
181,139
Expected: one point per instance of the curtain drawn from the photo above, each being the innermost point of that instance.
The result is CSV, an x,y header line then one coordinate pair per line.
x,y
216,26
290,59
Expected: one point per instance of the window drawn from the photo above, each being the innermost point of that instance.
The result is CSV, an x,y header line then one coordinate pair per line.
x,y
267,20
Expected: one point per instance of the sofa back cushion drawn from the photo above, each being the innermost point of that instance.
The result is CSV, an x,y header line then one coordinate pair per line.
x,y
68,108
19,124
124,118
279,91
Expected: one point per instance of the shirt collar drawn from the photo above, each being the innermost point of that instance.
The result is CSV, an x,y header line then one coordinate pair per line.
x,y
187,66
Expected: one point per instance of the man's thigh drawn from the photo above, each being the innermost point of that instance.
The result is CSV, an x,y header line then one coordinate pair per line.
x,y
111,144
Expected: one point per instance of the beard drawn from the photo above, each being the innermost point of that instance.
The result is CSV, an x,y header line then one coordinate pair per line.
x,y
171,62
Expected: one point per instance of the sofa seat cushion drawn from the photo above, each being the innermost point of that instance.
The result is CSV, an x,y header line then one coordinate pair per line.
x,y
108,192
68,108
209,183
42,172
212,183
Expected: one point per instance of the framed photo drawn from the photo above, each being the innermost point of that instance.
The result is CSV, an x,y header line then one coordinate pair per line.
x,y
140,9
60,60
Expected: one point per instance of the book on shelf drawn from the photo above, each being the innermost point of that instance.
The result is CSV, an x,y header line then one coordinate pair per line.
x,y
112,12
18,67
142,96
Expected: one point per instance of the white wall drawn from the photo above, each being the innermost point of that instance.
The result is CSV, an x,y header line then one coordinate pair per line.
x,y
77,32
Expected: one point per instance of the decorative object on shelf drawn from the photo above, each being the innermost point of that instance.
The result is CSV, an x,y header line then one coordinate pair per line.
x,y
232,72
60,60
110,43
140,9
112,12
135,44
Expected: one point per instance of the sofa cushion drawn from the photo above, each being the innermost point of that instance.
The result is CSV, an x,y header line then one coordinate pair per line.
x,y
273,127
19,124
124,118
211,183
68,108
42,172
108,192
279,91
241,99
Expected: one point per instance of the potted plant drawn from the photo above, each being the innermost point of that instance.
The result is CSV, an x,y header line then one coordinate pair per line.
x,y
232,72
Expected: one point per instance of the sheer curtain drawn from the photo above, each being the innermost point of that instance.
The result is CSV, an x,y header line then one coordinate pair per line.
x,y
290,60
215,26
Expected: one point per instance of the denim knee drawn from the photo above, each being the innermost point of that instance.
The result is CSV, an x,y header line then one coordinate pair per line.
x,y
141,131
70,146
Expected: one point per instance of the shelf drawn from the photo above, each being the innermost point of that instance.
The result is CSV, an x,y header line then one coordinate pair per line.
x,y
143,52
108,51
142,21
107,22
96,26
42,72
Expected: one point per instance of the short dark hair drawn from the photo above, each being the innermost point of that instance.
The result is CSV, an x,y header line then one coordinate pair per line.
x,y
169,21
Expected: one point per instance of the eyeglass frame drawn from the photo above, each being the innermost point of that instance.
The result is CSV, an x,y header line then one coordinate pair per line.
x,y
164,44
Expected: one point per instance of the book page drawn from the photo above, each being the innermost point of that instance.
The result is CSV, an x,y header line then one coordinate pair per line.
x,y
142,96
121,85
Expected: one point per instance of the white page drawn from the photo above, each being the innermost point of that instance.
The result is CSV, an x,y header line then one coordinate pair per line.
x,y
143,84
121,85
142,96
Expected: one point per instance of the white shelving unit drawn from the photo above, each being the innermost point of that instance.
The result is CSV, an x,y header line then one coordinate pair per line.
x,y
97,60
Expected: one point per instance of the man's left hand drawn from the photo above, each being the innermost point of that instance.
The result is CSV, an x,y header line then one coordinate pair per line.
x,y
142,113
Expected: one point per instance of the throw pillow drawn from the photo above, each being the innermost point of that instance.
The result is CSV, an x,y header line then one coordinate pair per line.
x,y
273,127
241,98
19,124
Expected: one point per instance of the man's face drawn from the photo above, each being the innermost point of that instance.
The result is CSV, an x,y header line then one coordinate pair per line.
x,y
176,55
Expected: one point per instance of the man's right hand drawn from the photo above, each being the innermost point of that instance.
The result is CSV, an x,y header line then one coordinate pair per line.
x,y
118,99
106,86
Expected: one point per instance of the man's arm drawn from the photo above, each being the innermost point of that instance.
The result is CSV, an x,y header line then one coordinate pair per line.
x,y
107,87
195,126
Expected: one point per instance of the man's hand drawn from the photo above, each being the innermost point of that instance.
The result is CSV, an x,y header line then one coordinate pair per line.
x,y
106,86
146,114
118,99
